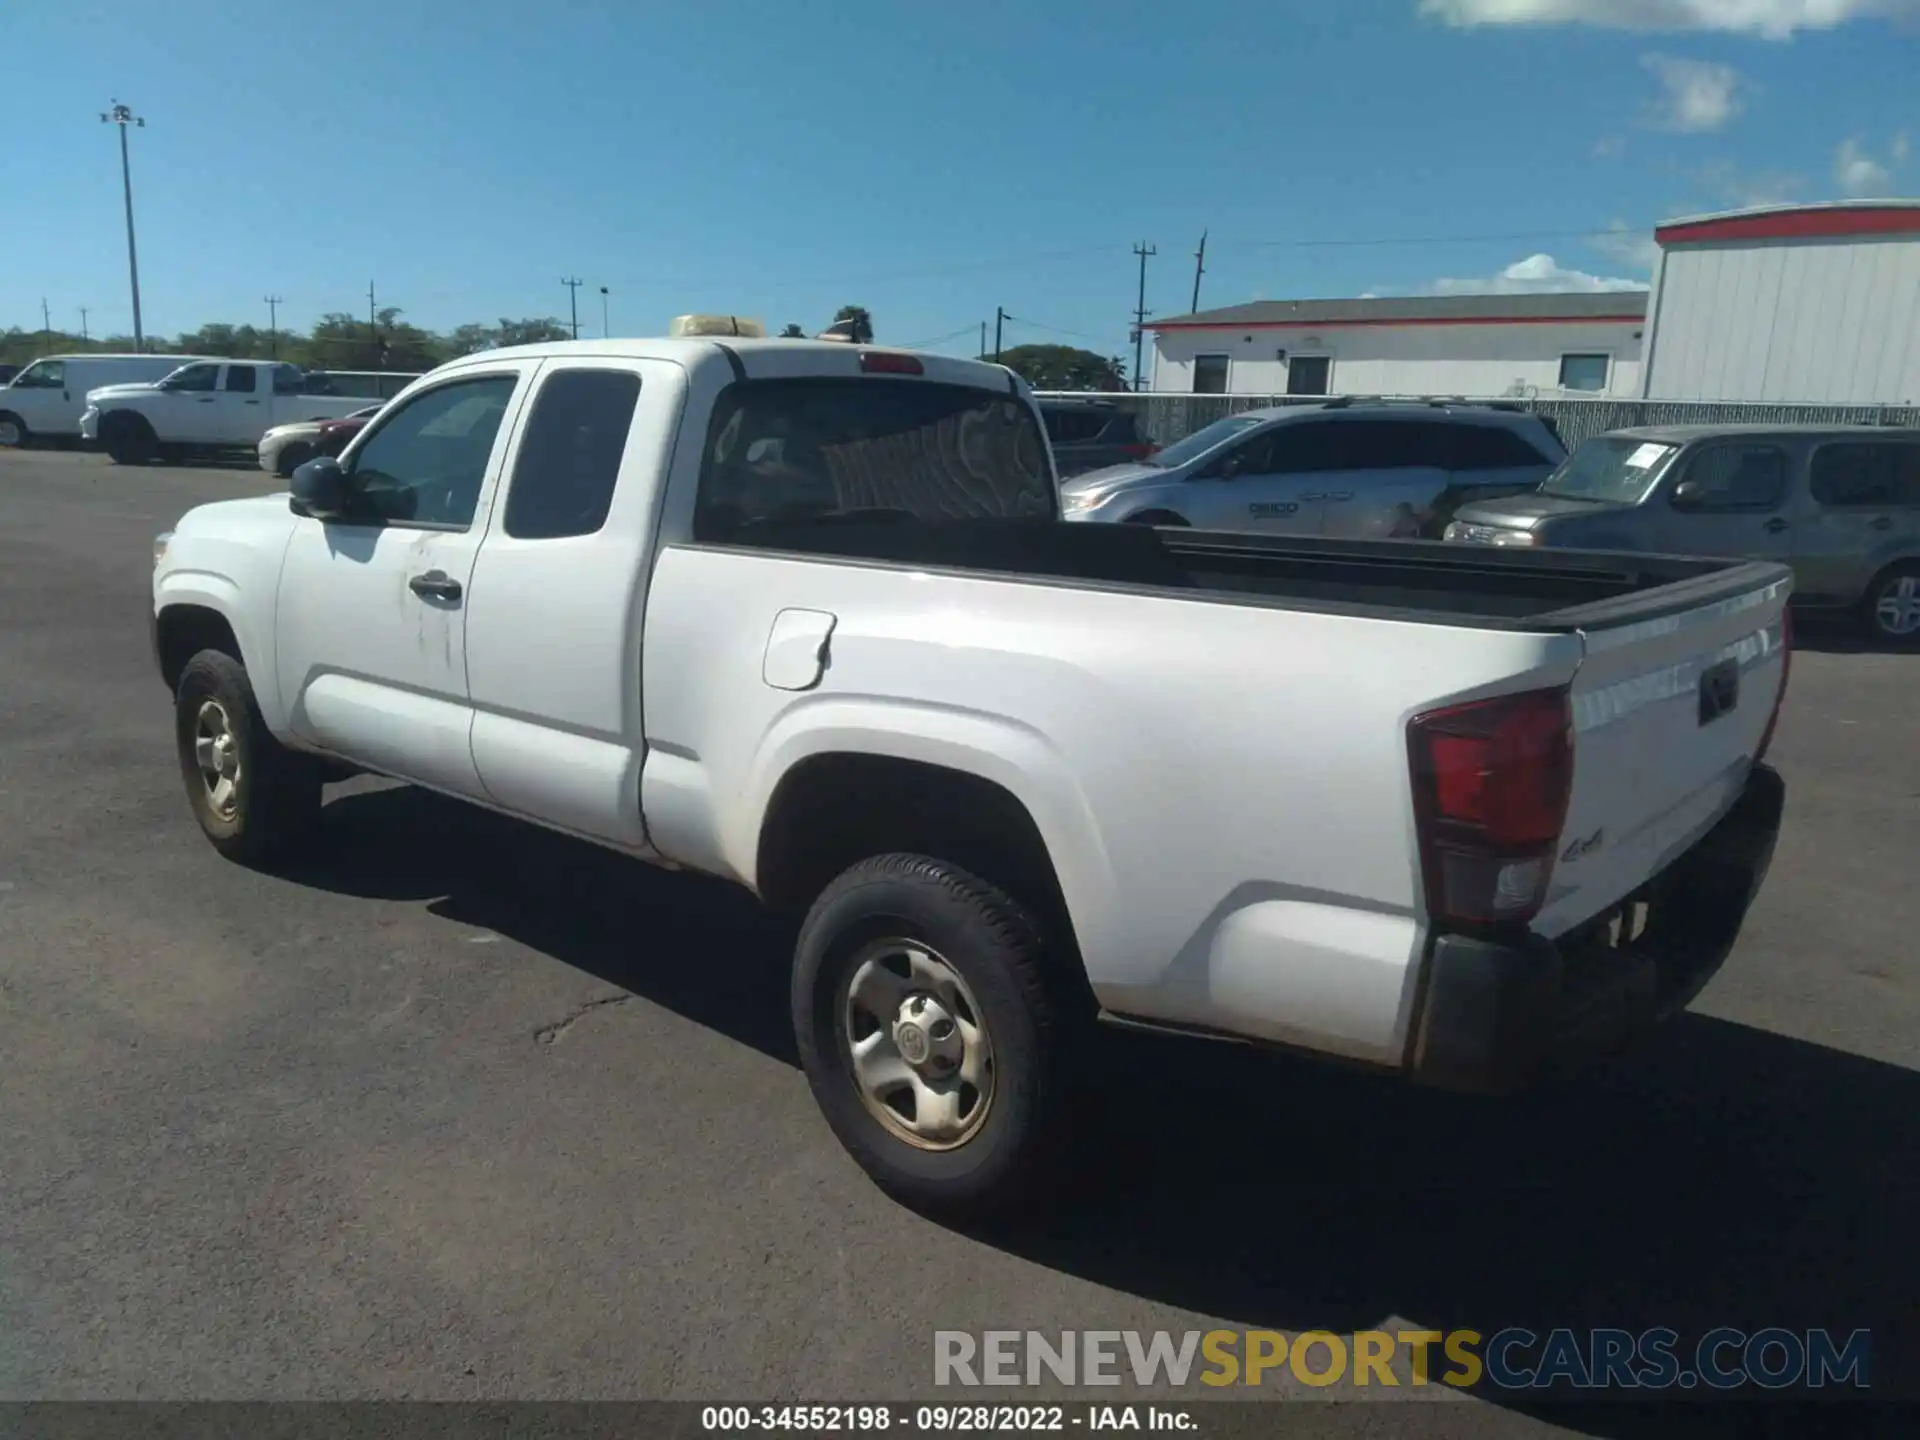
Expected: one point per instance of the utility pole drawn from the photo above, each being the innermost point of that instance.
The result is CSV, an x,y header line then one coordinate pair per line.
x,y
999,324
373,327
85,338
273,326
983,339
573,298
1145,252
606,330
46,328
123,116
1199,269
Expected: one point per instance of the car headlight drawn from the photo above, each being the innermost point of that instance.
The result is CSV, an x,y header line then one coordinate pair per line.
x,y
1080,501
1463,533
160,547
1515,537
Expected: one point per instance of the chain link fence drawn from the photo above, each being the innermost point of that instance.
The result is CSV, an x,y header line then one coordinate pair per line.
x,y
1166,417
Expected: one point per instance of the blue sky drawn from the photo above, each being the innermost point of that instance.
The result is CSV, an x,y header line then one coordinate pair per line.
x,y
928,160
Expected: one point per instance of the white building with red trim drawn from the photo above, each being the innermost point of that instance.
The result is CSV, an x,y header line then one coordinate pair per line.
x,y
1788,303
1471,345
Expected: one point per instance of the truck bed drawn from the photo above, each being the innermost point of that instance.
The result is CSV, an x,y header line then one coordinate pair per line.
x,y
1550,590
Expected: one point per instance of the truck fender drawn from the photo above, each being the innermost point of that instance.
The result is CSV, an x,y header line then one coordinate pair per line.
x,y
203,590
1020,760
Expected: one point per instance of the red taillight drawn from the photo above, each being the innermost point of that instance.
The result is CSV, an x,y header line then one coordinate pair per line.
x,y
1138,452
1491,782
1786,671
882,362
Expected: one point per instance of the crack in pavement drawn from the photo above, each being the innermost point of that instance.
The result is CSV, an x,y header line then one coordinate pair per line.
x,y
550,1034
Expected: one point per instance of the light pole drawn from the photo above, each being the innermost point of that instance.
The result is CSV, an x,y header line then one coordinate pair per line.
x,y
606,330
123,116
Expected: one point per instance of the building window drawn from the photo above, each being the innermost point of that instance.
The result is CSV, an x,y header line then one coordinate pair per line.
x,y
1310,375
1209,374
1584,372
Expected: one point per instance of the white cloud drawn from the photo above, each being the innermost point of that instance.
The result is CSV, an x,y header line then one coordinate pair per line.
x,y
1857,173
1636,248
1773,19
1898,150
1699,94
1537,275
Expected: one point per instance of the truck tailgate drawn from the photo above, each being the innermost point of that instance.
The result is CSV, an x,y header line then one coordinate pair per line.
x,y
1669,712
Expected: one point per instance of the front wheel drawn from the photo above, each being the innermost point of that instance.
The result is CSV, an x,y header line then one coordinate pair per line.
x,y
255,799
13,431
128,439
928,1035
1893,605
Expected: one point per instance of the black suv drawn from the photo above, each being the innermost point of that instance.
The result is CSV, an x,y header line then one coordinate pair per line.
x,y
1091,435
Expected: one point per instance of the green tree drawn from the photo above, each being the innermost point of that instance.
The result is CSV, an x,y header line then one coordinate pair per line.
x,y
532,332
1064,367
793,332
861,315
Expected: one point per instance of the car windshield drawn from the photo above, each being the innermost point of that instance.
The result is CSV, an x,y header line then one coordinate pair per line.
x,y
1610,470
1201,441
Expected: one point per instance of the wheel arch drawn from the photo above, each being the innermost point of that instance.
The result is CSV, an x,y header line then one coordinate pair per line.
x,y
197,611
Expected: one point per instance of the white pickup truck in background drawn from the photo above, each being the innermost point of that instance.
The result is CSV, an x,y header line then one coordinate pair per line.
x,y
208,406
804,615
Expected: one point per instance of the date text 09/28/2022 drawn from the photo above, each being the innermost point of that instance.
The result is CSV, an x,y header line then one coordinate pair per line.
x,y
942,1419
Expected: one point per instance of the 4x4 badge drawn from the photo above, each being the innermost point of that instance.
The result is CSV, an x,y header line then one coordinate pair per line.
x,y
1580,849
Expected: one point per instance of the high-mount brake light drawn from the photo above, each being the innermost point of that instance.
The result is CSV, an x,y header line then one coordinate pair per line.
x,y
1491,783
890,362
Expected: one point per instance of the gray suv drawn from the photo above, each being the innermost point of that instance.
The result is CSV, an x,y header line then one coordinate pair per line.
x,y
1839,504
1362,469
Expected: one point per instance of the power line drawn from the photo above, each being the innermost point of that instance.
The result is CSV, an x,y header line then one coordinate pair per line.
x,y
937,339
1056,329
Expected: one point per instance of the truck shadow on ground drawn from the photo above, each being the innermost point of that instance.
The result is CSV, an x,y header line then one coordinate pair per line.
x,y
1727,1176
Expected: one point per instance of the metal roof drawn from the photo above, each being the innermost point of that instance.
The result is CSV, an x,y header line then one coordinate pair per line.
x,y
1419,309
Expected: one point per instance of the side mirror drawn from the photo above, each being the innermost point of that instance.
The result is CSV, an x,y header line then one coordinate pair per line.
x,y
319,490
1689,495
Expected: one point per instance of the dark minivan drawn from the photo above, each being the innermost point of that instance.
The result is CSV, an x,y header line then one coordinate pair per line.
x,y
1091,435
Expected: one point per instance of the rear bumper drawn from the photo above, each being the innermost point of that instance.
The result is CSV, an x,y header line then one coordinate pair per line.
x,y
1498,1013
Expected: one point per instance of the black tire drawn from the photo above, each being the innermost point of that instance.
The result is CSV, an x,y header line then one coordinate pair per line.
x,y
1894,589
275,799
128,439
997,950
292,457
14,434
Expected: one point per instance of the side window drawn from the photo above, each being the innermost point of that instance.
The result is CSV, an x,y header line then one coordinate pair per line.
x,y
1310,448
42,375
1874,475
426,463
194,378
239,379
1490,447
1738,477
1395,445
288,380
570,454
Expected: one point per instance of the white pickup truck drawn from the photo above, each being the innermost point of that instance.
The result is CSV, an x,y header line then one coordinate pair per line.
x,y
803,615
210,405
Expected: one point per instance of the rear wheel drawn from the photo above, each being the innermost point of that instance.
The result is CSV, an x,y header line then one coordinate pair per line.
x,y
129,439
255,799
1893,604
928,1034
13,431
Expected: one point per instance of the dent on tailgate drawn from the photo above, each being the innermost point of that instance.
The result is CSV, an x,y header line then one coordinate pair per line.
x,y
1654,766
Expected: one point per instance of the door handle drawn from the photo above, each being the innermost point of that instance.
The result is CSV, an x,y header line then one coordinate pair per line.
x,y
1883,522
206,399
253,402
1775,525
1315,495
435,585
1338,495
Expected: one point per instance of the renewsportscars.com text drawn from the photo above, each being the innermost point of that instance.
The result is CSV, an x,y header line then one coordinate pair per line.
x,y
1509,1359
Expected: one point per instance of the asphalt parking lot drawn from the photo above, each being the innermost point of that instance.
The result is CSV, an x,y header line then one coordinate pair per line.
x,y
466,1110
